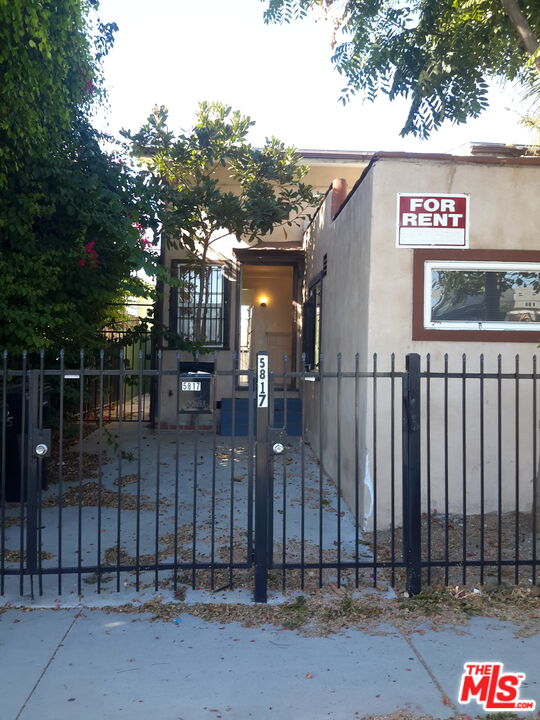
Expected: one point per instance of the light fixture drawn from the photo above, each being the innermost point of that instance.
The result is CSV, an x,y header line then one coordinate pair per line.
x,y
263,301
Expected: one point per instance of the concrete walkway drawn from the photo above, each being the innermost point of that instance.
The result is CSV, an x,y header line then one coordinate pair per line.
x,y
91,664
193,494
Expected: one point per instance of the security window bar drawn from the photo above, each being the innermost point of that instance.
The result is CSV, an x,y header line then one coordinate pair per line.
x,y
482,296
201,307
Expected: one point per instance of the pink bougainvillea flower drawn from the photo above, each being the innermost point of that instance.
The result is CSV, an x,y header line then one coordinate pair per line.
x,y
90,255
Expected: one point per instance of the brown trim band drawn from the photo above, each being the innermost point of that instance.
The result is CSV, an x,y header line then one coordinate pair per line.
x,y
422,333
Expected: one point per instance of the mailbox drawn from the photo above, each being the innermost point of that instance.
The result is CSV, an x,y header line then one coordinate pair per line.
x,y
195,391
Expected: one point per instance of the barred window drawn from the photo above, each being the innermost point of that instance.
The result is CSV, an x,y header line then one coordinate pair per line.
x,y
200,313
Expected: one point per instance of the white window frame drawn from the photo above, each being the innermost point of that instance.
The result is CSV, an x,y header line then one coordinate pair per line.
x,y
476,266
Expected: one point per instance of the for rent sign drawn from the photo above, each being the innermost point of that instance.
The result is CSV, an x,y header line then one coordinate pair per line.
x,y
434,220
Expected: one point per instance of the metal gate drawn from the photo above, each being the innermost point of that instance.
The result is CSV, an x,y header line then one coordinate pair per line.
x,y
118,503
342,475
308,534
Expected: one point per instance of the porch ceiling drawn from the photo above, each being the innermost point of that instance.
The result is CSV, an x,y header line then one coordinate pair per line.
x,y
267,253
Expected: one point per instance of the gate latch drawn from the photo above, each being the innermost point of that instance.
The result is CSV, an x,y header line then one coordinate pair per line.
x,y
276,437
42,439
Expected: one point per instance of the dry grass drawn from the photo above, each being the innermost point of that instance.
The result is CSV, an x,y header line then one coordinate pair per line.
x,y
407,715
466,541
14,556
130,479
321,615
11,521
167,544
74,464
91,494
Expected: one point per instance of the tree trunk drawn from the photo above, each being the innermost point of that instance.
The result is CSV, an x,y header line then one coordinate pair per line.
x,y
203,282
521,24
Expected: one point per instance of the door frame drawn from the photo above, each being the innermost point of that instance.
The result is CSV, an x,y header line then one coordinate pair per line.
x,y
291,258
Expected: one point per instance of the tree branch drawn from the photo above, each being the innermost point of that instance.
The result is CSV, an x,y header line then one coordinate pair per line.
x,y
521,24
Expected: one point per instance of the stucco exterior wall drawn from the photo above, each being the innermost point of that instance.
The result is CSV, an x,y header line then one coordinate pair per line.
x,y
345,297
504,215
367,308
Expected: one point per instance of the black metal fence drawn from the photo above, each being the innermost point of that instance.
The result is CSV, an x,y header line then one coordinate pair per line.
x,y
356,473
134,351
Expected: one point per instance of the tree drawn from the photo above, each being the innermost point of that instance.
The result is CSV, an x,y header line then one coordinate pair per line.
x,y
70,246
50,71
70,240
437,53
195,210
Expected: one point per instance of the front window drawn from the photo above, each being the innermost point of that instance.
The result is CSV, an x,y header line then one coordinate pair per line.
x,y
482,296
200,304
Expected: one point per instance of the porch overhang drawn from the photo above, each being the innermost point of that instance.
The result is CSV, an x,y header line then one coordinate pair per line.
x,y
278,253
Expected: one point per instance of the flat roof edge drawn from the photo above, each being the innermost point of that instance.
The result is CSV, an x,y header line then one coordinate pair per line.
x,y
527,161
466,159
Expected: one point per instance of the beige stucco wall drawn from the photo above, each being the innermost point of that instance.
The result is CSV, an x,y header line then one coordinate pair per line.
x,y
321,174
367,308
345,298
504,215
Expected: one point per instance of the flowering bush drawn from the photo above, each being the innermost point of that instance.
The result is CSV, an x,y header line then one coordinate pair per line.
x,y
69,251
90,255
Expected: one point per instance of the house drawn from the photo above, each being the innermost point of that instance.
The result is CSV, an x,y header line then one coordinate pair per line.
x,y
407,253
256,293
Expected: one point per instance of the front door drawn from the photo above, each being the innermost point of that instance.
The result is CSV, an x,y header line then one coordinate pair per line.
x,y
267,320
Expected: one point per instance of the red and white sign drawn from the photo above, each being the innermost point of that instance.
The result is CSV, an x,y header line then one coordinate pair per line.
x,y
434,220
490,686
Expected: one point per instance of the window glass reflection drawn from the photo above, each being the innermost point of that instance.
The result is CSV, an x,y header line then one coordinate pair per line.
x,y
492,296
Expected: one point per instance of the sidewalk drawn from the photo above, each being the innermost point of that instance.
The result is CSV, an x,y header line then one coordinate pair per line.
x,y
93,664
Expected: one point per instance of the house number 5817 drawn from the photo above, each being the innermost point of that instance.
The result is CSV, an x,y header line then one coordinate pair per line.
x,y
262,381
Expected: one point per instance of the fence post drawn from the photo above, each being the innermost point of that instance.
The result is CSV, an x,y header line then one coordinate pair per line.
x,y
262,481
411,474
32,478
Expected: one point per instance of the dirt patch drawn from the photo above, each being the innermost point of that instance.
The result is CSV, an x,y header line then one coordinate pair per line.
x,y
11,521
465,540
167,545
14,556
321,615
74,464
91,494
126,480
72,467
407,715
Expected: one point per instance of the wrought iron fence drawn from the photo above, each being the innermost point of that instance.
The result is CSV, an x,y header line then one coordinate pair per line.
x,y
133,351
359,472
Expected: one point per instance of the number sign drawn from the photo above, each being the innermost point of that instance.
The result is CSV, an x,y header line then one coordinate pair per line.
x,y
189,385
262,380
